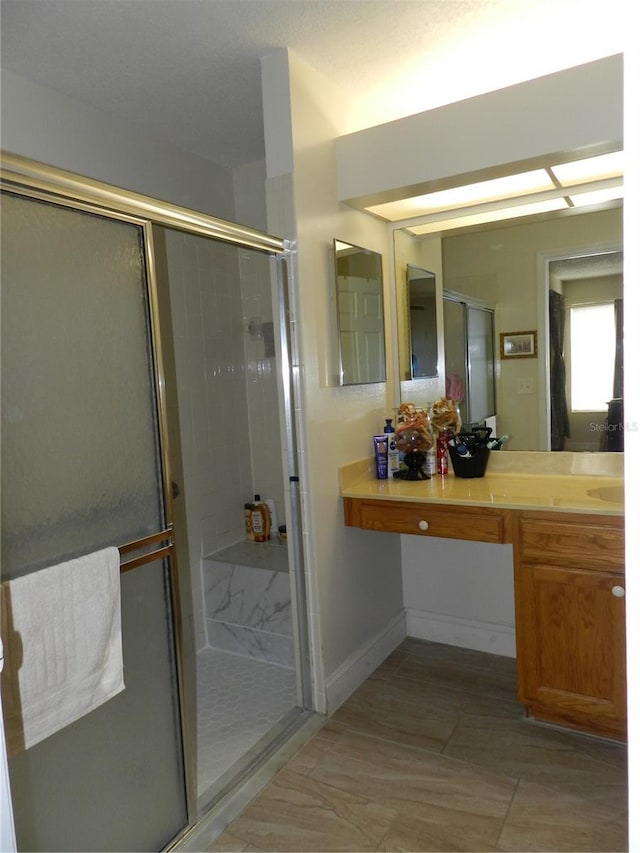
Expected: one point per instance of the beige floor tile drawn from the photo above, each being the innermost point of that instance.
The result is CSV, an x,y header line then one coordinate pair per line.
x,y
452,700
297,813
410,780
541,819
227,843
308,756
445,655
438,830
490,682
386,710
432,753
547,756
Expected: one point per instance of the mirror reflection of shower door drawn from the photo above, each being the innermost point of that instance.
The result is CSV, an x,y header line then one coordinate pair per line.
x,y
82,469
470,357
480,353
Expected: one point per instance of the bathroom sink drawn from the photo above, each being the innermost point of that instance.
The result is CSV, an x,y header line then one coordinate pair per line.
x,y
615,494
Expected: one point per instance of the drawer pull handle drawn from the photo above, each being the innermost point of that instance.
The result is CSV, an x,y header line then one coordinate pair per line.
x,y
423,525
618,591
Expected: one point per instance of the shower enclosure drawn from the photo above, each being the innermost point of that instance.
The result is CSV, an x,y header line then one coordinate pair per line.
x,y
469,354
146,398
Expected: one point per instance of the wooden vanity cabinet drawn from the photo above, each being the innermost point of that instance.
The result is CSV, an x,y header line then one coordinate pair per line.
x,y
569,600
478,524
570,612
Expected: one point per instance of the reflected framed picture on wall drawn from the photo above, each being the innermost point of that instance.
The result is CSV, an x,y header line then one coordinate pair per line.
x,y
518,344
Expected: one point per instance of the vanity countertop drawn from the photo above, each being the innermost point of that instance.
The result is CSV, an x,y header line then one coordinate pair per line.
x,y
524,481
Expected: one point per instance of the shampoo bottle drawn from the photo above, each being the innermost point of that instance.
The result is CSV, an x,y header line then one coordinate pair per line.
x,y
431,465
248,525
393,454
260,520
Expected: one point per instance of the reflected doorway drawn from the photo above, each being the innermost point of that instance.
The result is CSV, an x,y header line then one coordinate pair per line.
x,y
585,309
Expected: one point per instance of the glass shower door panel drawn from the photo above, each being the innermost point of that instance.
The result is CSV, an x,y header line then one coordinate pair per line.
x,y
81,470
79,436
112,780
481,364
455,349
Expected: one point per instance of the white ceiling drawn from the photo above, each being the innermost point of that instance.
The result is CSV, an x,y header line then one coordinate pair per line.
x,y
189,70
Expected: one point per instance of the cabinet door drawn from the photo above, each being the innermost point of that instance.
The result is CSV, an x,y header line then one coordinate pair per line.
x,y
572,647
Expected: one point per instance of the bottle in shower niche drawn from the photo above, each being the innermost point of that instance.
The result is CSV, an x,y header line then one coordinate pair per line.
x,y
260,520
248,524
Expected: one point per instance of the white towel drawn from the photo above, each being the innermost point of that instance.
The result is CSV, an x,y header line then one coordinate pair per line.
x,y
61,629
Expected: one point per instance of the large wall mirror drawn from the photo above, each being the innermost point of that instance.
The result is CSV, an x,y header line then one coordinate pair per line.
x,y
360,310
511,267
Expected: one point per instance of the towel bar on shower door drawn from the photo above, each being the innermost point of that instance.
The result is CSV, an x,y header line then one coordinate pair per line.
x,y
150,556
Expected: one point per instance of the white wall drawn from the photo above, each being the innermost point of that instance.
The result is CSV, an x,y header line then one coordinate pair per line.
x,y
44,125
354,576
459,593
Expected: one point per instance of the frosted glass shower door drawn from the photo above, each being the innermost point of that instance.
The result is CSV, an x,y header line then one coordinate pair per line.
x,y
81,470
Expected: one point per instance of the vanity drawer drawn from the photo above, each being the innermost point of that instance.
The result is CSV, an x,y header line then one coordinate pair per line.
x,y
423,519
580,541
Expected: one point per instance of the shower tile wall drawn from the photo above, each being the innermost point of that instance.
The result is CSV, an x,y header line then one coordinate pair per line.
x,y
208,332
227,394
262,388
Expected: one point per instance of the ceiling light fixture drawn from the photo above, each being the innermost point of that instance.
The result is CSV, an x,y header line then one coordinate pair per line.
x,y
483,217
496,189
583,182
597,196
590,169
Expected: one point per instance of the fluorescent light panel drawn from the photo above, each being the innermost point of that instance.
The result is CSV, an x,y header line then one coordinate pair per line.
x,y
508,189
489,216
482,192
597,196
590,169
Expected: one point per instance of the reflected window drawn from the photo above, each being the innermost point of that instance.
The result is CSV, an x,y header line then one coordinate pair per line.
x,y
592,367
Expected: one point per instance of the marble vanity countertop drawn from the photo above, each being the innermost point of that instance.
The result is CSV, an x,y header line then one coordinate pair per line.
x,y
514,480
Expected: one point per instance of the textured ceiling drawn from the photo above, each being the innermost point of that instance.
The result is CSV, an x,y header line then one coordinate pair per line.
x,y
588,266
189,70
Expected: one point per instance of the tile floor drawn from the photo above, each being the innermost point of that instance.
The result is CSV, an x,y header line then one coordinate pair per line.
x,y
432,753
239,700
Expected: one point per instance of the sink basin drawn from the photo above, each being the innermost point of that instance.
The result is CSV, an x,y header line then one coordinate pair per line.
x,y
615,494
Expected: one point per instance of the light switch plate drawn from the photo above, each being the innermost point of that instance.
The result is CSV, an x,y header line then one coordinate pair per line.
x,y
524,386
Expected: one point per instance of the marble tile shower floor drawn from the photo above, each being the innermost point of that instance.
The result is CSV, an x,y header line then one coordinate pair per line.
x,y
239,700
432,753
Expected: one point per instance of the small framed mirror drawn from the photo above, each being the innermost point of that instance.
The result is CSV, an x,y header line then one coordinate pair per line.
x,y
360,310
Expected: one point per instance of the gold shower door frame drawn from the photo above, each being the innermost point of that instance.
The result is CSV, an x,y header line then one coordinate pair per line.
x,y
29,179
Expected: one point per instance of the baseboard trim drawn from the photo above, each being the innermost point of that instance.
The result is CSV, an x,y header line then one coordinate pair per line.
x,y
465,633
359,666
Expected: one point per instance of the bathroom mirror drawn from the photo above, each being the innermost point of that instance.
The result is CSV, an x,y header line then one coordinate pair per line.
x,y
505,265
419,356
360,314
